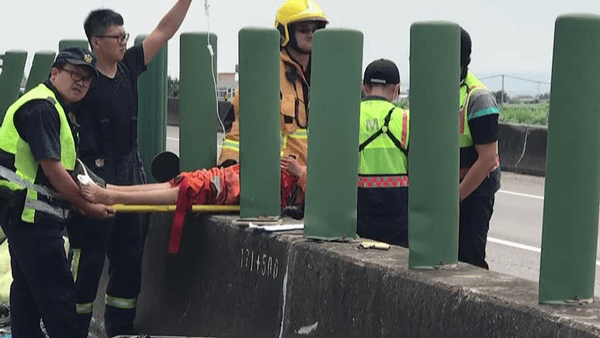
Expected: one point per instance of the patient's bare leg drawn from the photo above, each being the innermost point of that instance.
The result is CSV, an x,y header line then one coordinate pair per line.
x,y
97,194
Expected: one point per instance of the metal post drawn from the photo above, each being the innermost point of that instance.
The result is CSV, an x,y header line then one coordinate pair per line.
x,y
434,148
259,123
333,137
40,68
13,66
197,101
152,110
570,225
62,44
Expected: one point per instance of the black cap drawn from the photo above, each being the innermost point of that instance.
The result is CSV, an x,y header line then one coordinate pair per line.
x,y
77,56
382,72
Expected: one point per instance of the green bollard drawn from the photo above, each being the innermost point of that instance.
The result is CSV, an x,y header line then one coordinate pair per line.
x,y
152,110
434,148
40,68
197,101
260,138
333,142
13,66
62,44
570,225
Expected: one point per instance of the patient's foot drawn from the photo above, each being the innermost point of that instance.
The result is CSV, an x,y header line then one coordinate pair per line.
x,y
96,194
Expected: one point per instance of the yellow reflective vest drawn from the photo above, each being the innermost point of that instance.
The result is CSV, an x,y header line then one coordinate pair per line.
x,y
39,197
470,85
293,119
383,138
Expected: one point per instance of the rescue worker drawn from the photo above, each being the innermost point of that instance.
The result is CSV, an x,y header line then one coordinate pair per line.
x,y
479,162
38,142
214,186
383,157
109,147
296,20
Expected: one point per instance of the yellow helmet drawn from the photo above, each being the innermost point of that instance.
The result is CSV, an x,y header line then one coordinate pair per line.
x,y
296,10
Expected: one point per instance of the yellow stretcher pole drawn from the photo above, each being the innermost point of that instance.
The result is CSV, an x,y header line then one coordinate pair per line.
x,y
170,208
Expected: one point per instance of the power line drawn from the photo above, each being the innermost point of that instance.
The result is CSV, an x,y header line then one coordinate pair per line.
x,y
515,77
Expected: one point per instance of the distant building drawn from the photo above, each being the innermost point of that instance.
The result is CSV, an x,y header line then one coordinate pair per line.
x,y
226,86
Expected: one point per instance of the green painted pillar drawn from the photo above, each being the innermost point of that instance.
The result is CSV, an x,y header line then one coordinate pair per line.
x,y
197,101
570,225
40,68
62,44
13,65
333,135
152,110
434,147
260,138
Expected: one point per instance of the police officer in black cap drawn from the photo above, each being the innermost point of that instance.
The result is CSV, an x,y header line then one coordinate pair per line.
x,y
38,142
383,157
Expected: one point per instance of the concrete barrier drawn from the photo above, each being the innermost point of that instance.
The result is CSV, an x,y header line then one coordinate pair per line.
x,y
522,148
231,282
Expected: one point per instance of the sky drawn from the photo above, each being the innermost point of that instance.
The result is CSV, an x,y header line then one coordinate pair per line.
x,y
513,37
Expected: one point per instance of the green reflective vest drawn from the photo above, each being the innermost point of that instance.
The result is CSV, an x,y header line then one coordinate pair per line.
x,y
383,138
470,85
40,198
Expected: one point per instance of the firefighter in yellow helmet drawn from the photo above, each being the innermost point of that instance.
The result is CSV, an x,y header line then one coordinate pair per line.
x,y
297,21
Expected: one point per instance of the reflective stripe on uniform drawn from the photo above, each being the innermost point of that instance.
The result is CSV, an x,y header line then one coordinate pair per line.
x,y
84,308
75,263
231,145
299,133
121,303
38,205
14,178
394,181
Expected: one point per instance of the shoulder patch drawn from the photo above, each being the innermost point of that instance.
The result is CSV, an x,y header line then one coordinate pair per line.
x,y
51,100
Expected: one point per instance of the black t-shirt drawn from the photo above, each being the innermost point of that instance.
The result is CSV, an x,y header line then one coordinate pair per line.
x,y
117,100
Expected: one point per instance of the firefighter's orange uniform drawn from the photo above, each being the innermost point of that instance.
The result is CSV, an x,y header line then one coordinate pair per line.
x,y
294,87
293,119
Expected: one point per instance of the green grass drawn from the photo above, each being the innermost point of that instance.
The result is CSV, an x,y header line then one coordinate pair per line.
x,y
520,113
525,113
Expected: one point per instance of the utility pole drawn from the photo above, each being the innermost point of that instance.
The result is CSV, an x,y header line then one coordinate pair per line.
x,y
502,93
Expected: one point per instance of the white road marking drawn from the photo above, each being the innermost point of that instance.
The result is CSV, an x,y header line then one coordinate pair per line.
x,y
519,246
514,245
520,194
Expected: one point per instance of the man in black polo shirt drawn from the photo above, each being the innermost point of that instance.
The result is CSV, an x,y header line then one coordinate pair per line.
x,y
479,163
109,147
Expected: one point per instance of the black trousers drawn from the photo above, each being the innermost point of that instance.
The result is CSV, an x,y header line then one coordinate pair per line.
x,y
42,286
120,240
475,215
